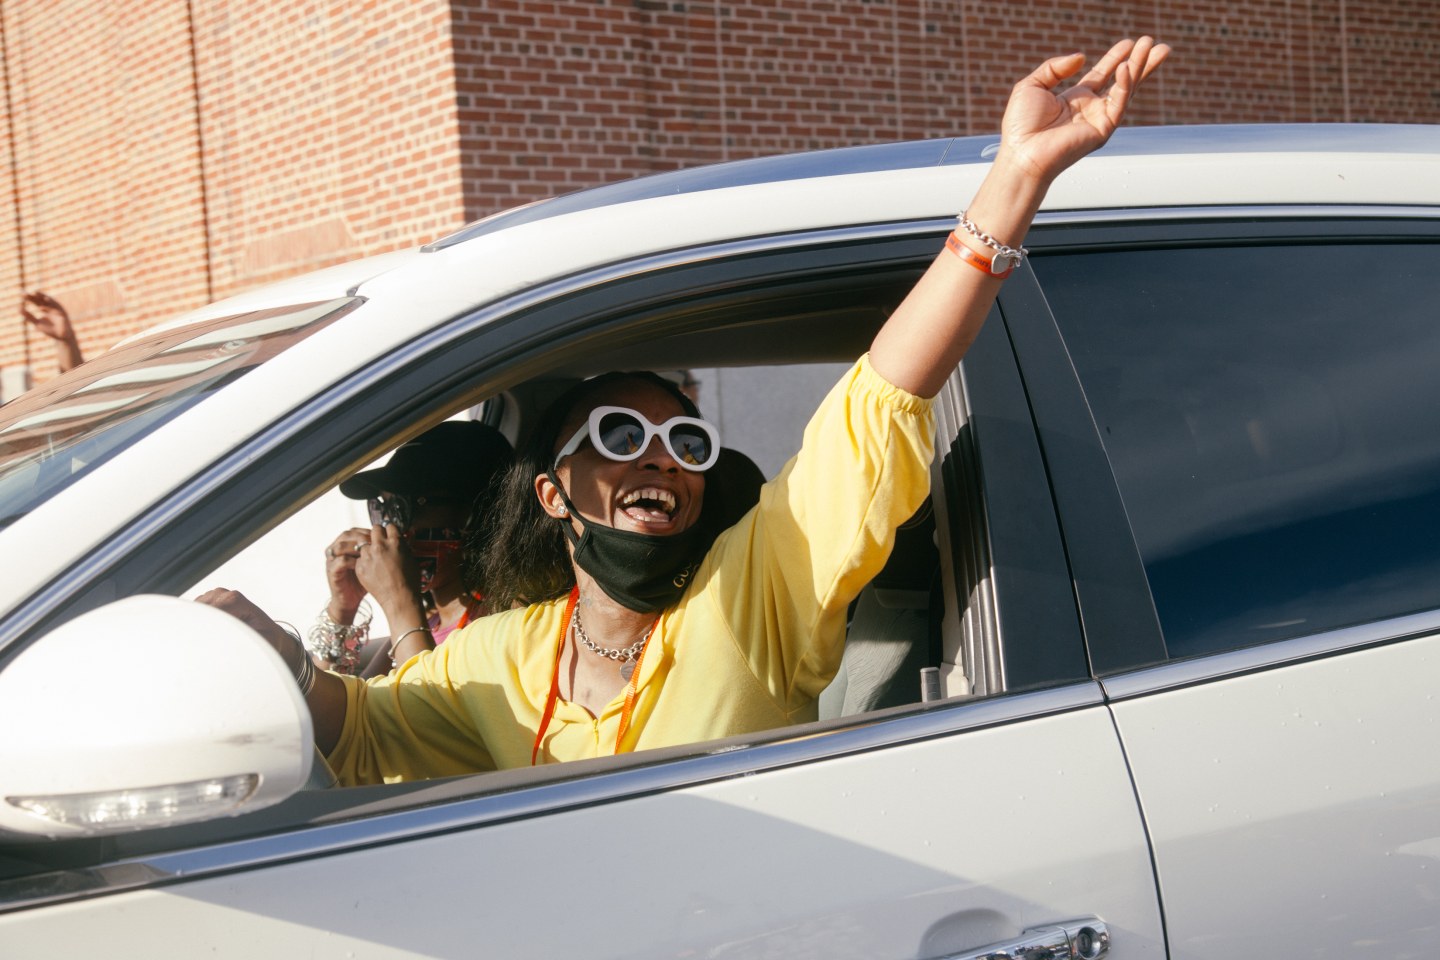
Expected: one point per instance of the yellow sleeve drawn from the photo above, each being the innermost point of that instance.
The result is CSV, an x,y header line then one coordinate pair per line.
x,y
414,723
784,576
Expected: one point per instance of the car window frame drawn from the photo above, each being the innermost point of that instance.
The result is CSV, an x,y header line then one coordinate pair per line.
x,y
1028,630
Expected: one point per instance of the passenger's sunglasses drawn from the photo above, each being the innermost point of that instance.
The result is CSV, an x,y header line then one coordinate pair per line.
x,y
394,509
428,545
399,508
620,433
432,541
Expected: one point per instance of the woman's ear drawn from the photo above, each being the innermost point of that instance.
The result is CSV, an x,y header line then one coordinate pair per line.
x,y
549,496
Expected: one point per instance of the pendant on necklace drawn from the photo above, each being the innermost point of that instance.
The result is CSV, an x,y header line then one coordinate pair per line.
x,y
627,670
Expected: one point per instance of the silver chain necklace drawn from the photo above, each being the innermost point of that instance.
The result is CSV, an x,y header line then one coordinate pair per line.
x,y
624,656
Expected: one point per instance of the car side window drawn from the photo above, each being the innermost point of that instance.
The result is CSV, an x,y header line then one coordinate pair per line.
x,y
761,411
1272,418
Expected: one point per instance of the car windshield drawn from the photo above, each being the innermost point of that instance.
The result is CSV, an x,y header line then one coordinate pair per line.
x,y
53,435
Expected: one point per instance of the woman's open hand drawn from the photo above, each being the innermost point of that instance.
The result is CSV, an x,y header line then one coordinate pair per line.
x,y
1046,132
1042,134
44,313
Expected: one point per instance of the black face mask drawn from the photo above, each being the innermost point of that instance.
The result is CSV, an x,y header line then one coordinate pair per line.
x,y
640,571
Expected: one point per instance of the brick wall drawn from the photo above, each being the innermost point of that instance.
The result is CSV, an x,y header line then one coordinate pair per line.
x,y
174,151
329,132
104,175
559,95
14,362
181,151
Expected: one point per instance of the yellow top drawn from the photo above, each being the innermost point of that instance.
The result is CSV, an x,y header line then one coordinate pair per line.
x,y
754,639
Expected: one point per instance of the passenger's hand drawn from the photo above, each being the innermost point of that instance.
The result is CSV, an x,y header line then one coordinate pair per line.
x,y
1046,132
387,569
346,591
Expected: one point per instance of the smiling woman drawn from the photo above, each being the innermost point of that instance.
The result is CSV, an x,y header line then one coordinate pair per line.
x,y
642,627
628,503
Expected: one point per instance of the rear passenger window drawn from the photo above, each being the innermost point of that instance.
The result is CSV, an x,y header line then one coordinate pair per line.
x,y
1272,417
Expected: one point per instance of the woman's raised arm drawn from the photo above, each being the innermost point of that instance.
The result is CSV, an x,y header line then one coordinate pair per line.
x,y
1042,134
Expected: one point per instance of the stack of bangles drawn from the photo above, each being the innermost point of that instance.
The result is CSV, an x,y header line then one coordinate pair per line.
x,y
305,676
337,643
1000,266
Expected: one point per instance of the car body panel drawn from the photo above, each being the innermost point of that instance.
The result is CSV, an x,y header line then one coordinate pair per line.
x,y
1322,779
828,865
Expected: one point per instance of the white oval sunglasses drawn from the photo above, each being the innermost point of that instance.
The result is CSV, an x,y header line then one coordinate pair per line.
x,y
622,434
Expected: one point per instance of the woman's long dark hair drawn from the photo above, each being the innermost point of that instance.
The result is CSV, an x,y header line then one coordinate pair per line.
x,y
514,552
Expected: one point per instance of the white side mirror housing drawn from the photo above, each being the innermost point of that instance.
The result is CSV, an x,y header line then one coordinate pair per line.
x,y
147,712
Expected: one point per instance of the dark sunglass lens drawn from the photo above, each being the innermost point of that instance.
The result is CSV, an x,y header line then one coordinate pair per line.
x,y
392,509
621,434
434,535
690,444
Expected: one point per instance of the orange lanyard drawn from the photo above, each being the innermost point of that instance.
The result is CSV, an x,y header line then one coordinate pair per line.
x,y
631,685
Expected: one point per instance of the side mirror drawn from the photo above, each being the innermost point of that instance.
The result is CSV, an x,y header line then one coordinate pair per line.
x,y
147,712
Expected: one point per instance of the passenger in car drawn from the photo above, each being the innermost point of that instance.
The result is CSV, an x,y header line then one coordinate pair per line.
x,y
635,631
409,560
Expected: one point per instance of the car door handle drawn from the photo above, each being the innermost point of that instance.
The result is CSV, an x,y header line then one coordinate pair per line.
x,y
1087,939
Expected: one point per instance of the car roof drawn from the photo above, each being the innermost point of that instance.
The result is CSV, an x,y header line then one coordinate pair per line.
x,y
1279,166
1162,141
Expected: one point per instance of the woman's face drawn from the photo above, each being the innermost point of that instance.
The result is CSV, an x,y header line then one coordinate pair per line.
x,y
441,516
650,494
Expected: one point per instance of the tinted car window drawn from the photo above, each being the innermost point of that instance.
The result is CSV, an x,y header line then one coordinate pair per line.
x,y
1272,417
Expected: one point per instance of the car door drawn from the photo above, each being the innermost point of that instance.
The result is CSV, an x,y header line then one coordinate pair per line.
x,y
1001,814
1258,452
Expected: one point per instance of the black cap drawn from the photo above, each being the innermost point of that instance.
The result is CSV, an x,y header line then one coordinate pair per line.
x,y
457,456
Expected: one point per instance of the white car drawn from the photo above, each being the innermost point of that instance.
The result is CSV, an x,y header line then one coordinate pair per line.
x,y
1154,675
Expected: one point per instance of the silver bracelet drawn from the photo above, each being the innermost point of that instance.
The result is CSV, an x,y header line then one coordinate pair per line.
x,y
395,644
339,643
1005,257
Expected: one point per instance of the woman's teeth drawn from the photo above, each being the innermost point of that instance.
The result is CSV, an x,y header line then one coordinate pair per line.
x,y
651,499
